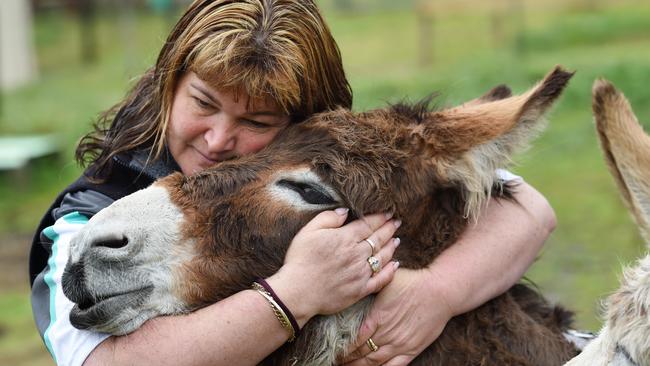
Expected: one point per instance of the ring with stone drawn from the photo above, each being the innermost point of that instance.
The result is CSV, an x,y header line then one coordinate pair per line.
x,y
374,263
372,245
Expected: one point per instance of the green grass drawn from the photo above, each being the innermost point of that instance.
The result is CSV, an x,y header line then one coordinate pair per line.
x,y
20,344
595,236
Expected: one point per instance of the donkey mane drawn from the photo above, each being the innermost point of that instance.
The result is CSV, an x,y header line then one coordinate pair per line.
x,y
418,111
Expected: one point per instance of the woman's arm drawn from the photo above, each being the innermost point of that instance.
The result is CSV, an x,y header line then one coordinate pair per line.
x,y
496,252
490,257
242,329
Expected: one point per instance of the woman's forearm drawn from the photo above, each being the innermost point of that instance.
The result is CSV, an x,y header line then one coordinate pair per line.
x,y
495,252
240,330
243,329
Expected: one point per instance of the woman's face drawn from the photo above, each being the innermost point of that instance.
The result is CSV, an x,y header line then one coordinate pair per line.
x,y
209,125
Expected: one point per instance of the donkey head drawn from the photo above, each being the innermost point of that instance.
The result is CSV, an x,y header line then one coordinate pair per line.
x,y
625,338
188,241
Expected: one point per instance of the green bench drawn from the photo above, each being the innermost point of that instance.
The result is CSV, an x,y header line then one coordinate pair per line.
x,y
17,151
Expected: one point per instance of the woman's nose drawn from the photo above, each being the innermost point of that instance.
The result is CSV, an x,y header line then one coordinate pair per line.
x,y
221,136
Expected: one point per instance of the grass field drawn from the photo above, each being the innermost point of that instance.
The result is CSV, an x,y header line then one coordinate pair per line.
x,y
580,263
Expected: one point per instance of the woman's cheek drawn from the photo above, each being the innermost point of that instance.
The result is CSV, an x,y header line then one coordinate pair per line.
x,y
256,143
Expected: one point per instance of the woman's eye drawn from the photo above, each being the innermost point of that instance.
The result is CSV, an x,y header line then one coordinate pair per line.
x,y
255,124
202,103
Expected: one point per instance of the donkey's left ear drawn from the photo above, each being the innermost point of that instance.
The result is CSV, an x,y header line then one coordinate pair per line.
x,y
471,141
627,150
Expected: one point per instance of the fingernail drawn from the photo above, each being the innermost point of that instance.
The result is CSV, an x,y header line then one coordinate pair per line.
x,y
397,223
396,241
388,215
396,264
342,211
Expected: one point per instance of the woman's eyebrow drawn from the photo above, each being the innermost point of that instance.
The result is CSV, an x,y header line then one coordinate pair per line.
x,y
206,93
264,113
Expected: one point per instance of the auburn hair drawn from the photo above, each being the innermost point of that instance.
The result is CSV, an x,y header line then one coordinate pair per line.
x,y
277,49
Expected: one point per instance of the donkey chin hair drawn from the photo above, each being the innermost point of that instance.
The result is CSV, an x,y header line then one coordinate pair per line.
x,y
129,321
477,176
338,331
629,323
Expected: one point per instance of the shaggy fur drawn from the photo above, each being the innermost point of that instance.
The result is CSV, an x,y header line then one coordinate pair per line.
x,y
432,169
625,338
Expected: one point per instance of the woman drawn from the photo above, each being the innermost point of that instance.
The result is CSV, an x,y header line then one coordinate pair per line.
x,y
231,75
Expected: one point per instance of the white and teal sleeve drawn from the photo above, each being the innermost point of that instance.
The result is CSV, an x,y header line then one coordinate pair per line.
x,y
68,345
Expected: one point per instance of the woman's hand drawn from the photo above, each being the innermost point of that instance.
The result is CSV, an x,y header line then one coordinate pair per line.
x,y
406,317
326,268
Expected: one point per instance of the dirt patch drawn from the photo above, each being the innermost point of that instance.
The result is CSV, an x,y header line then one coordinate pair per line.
x,y
14,261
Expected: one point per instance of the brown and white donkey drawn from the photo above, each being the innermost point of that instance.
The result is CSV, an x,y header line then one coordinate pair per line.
x,y
189,241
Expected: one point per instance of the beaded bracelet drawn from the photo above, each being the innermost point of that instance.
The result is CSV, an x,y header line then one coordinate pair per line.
x,y
281,312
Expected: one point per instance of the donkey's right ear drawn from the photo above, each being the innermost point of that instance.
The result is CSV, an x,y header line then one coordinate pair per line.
x,y
627,150
492,117
468,143
497,93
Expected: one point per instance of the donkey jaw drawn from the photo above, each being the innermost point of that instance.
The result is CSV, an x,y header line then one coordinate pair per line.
x,y
101,316
122,273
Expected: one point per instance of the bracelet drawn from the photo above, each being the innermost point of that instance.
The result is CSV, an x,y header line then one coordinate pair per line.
x,y
284,308
281,312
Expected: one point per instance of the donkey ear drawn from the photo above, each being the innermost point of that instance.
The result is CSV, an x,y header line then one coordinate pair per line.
x,y
497,93
488,118
468,143
627,150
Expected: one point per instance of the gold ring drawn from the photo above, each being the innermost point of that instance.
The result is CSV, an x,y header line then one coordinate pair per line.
x,y
372,245
374,263
373,347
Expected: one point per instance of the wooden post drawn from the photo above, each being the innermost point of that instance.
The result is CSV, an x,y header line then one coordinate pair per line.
x,y
17,55
497,23
87,10
591,5
128,31
518,14
425,18
343,5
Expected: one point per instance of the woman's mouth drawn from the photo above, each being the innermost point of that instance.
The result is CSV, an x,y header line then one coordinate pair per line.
x,y
205,160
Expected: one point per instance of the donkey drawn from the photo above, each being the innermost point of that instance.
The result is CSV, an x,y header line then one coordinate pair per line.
x,y
433,169
625,337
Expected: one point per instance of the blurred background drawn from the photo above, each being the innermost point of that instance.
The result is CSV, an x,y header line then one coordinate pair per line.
x,y
63,61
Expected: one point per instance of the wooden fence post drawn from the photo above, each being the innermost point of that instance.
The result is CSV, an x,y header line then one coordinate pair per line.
x,y
87,20
497,23
425,20
17,55
518,13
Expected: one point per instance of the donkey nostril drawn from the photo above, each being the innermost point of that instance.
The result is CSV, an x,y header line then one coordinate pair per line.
x,y
112,243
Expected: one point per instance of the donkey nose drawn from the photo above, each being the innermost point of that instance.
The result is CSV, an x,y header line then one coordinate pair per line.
x,y
74,282
113,243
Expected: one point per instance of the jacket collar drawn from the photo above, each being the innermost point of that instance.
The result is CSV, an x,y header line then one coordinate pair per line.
x,y
140,161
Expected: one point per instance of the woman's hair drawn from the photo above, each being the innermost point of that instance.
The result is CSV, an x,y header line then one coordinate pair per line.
x,y
276,49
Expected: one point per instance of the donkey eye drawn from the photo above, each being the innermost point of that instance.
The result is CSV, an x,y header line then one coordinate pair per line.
x,y
310,193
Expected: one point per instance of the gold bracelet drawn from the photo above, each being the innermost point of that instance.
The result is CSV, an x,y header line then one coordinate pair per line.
x,y
277,310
